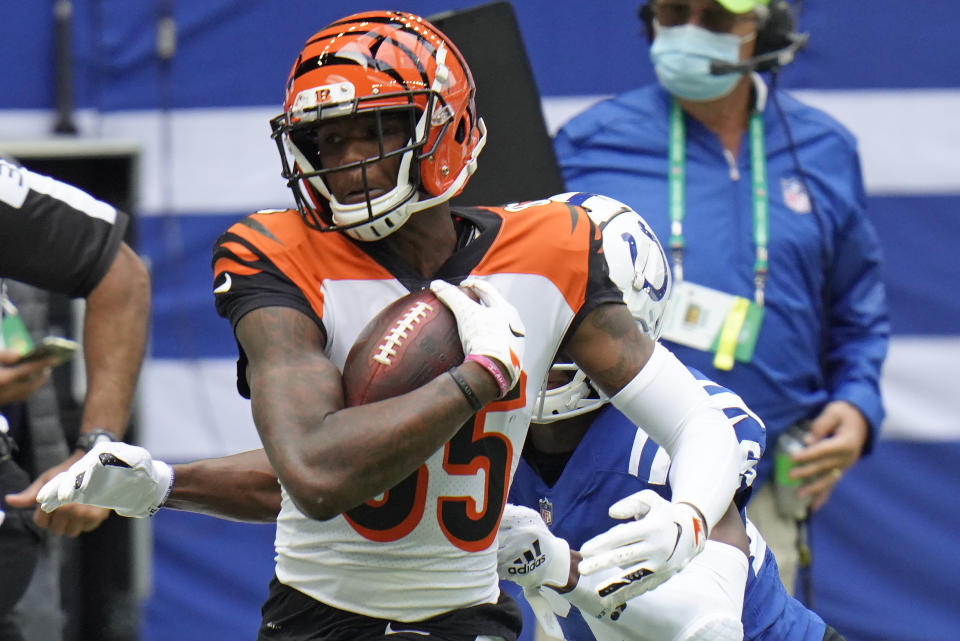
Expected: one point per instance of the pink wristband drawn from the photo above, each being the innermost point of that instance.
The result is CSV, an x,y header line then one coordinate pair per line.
x,y
488,364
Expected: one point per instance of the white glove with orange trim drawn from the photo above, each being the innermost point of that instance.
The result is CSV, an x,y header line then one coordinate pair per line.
x,y
664,537
491,327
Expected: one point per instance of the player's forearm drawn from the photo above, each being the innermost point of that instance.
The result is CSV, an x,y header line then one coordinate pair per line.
x,y
331,458
669,404
240,487
730,530
357,453
114,337
706,467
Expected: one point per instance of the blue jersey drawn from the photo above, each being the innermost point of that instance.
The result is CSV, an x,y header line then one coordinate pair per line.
x,y
769,613
615,459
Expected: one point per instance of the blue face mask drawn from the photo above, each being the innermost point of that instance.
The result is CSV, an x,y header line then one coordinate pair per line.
x,y
681,57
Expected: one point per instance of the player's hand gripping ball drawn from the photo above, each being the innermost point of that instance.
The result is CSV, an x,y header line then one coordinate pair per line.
x,y
409,343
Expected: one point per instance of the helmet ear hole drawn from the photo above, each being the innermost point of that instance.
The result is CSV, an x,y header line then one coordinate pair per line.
x,y
461,134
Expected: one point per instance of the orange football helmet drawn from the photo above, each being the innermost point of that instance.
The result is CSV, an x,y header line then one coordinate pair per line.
x,y
380,62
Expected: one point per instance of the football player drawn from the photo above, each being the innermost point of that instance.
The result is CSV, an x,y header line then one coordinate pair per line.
x,y
402,498
582,455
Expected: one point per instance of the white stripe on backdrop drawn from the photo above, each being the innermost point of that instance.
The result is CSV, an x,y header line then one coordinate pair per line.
x,y
223,160
190,409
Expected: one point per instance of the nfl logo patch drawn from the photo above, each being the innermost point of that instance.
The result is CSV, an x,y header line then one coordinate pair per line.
x,y
546,511
795,195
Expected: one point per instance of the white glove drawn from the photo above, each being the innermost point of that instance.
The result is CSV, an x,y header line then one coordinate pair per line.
x,y
119,476
532,557
654,547
702,602
3,516
528,553
491,327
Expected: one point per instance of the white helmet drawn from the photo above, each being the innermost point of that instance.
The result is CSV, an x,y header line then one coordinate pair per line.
x,y
638,267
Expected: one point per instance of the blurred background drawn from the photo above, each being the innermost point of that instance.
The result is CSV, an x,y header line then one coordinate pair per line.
x,y
162,108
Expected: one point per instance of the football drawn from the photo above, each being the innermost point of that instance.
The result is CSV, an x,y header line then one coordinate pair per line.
x,y
409,343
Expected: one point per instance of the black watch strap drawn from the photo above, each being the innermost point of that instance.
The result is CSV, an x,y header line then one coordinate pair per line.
x,y
87,440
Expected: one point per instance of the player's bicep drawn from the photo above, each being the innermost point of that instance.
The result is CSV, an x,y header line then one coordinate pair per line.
x,y
609,347
269,334
287,371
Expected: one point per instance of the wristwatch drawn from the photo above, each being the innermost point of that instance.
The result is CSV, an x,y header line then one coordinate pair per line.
x,y
87,440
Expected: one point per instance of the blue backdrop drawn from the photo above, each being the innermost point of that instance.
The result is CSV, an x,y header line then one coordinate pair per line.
x,y
884,566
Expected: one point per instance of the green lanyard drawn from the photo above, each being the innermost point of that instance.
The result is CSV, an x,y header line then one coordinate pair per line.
x,y
677,187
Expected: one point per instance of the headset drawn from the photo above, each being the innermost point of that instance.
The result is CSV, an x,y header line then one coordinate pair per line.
x,y
777,40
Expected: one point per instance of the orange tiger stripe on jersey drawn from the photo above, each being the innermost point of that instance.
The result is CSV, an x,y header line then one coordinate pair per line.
x,y
232,266
305,256
240,251
532,238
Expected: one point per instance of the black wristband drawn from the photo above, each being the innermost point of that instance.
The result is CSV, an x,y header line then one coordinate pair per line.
x,y
466,389
87,440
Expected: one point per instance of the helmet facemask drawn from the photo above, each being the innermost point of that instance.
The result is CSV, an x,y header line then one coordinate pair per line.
x,y
374,217
573,398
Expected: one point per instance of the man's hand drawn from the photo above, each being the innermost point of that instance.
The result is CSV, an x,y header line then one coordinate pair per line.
x,y
71,520
119,476
834,444
529,554
17,382
491,327
664,537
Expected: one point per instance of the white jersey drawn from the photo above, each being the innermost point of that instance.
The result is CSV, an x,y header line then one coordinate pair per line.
x,y
428,545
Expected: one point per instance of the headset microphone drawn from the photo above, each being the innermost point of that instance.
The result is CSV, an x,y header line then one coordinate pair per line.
x,y
769,60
